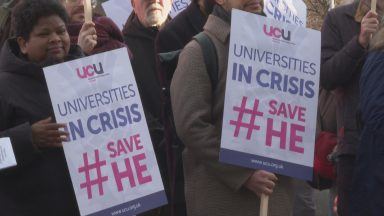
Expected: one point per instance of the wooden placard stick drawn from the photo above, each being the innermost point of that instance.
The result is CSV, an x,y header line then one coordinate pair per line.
x,y
264,205
88,11
373,5
373,9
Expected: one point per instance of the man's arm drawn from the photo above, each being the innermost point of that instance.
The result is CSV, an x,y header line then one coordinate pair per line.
x,y
338,62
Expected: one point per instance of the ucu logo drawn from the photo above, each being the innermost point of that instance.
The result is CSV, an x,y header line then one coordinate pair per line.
x,y
89,71
277,33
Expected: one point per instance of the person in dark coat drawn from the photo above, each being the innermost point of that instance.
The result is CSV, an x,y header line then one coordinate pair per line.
x,y
346,33
174,36
368,187
141,41
139,33
178,32
100,35
40,183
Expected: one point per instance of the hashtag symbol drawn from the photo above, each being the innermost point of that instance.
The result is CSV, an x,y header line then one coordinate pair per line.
x,y
99,179
239,122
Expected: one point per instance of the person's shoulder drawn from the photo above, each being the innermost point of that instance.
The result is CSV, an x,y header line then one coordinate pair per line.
x,y
191,54
348,9
340,16
171,36
193,46
191,63
175,26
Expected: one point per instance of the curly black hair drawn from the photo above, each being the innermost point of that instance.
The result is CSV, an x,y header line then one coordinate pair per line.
x,y
27,13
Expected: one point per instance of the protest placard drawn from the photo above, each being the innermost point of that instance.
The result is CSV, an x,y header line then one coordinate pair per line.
x,y
7,156
110,156
119,10
288,11
271,96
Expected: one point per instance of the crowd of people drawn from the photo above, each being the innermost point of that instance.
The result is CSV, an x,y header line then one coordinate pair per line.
x,y
184,108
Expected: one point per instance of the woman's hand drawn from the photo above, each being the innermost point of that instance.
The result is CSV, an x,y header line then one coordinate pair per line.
x,y
46,134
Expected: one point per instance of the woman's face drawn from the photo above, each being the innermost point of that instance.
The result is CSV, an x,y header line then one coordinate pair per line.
x,y
48,40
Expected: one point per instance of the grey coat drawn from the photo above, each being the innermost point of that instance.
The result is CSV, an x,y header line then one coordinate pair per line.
x,y
213,188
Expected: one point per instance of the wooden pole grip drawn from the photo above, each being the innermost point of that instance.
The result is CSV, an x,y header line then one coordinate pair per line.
x,y
373,5
264,205
88,11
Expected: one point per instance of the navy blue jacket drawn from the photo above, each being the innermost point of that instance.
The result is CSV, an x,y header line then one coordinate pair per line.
x,y
368,182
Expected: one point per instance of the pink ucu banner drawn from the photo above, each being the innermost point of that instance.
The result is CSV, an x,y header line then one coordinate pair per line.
x,y
277,32
89,71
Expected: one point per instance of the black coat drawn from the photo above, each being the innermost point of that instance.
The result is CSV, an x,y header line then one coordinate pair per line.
x,y
175,35
342,58
40,184
141,42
